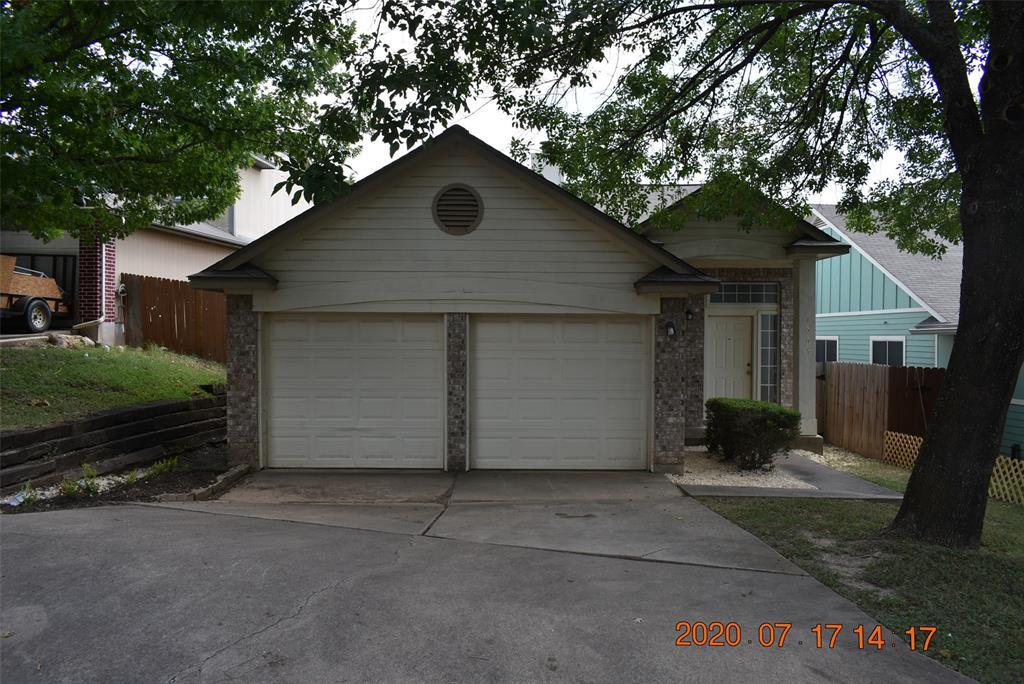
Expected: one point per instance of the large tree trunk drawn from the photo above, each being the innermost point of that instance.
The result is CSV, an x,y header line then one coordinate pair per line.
x,y
948,489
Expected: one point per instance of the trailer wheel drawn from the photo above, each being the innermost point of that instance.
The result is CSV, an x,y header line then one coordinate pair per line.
x,y
37,316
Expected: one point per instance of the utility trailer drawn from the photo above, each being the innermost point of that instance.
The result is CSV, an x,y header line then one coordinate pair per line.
x,y
29,296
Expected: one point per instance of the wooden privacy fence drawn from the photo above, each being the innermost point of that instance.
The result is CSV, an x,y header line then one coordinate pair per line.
x,y
858,402
172,314
855,406
883,411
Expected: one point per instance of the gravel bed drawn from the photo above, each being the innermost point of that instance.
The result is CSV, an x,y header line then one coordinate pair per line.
x,y
702,468
834,457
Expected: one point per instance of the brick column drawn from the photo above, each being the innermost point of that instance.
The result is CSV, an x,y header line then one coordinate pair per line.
x,y
456,326
693,358
243,381
97,281
672,383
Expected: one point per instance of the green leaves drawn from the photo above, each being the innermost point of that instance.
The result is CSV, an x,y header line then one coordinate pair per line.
x,y
119,115
789,97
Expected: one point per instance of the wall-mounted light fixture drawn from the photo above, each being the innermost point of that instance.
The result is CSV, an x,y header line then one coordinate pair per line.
x,y
689,314
670,329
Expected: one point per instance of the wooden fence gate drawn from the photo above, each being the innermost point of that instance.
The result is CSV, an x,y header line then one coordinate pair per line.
x,y
172,314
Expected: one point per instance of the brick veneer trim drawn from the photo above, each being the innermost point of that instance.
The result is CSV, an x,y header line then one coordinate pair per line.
x,y
456,327
243,381
673,376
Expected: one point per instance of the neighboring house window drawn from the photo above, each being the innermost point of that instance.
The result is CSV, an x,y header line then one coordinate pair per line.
x,y
826,349
769,390
746,293
888,351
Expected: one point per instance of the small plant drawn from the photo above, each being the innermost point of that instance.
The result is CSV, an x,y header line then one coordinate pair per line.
x,y
750,432
89,485
29,494
164,466
69,488
132,477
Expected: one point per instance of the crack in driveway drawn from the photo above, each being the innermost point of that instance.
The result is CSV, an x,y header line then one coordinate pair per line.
x,y
251,635
445,500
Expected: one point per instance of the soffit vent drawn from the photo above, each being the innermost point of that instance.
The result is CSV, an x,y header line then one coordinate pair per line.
x,y
458,209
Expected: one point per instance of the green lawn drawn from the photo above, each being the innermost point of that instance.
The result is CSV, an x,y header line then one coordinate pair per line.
x,y
46,385
975,598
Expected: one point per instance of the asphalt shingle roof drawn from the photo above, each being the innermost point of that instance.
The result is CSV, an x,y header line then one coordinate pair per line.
x,y
936,282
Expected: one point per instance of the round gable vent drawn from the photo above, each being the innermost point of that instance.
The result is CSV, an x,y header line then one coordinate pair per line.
x,y
458,209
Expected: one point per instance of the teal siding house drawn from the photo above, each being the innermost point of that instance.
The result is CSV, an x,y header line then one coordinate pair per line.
x,y
877,304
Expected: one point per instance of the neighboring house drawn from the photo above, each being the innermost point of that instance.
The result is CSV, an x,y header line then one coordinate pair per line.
x,y
456,310
878,304
90,274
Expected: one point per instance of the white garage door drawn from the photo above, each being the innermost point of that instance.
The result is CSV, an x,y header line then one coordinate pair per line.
x,y
568,392
358,391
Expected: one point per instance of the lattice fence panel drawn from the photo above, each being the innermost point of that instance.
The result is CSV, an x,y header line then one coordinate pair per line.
x,y
901,449
1007,483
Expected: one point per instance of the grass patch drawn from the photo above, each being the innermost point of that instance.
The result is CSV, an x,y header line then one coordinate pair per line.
x,y
46,385
975,598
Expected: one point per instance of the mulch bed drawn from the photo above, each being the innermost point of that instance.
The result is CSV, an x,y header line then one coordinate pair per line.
x,y
195,469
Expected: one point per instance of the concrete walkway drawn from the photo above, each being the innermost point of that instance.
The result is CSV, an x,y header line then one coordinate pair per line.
x,y
830,483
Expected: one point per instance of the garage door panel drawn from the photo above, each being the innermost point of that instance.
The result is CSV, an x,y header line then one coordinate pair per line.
x,y
551,392
341,411
355,391
581,332
333,330
421,409
290,330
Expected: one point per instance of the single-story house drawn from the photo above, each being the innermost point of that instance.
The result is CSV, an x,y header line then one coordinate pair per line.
x,y
456,310
89,274
878,304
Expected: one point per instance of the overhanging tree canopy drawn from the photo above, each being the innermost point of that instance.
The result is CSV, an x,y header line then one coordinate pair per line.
x,y
116,115
785,97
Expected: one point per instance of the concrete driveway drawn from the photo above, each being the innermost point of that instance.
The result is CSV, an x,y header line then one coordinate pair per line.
x,y
426,577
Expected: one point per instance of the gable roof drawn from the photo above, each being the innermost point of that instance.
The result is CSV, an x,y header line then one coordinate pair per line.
x,y
933,282
363,187
814,239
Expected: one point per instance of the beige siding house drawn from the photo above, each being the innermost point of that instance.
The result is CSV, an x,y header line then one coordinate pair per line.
x,y
90,274
456,310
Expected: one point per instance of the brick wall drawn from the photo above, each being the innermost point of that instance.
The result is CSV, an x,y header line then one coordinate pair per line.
x,y
693,365
243,381
673,383
93,299
456,334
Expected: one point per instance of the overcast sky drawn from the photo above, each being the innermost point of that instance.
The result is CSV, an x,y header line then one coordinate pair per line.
x,y
486,121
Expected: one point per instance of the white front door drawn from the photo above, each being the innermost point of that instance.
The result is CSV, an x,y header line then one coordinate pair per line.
x,y
728,357
354,391
559,392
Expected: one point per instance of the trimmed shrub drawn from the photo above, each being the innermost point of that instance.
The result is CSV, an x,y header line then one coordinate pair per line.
x,y
750,432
